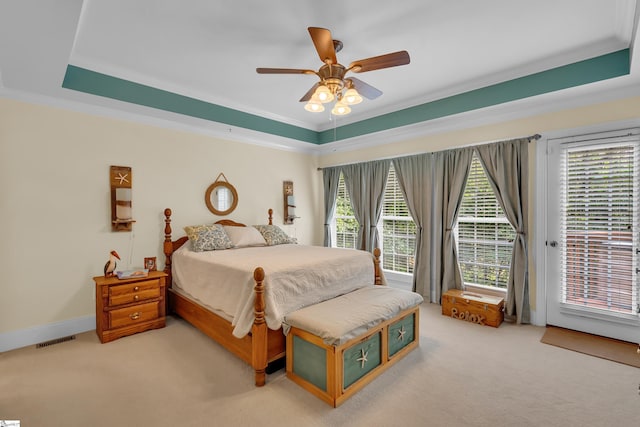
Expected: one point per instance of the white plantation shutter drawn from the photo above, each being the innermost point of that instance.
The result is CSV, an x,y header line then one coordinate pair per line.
x,y
484,236
599,225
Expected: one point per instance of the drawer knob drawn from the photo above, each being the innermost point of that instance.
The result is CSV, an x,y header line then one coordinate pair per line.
x,y
136,289
136,297
135,316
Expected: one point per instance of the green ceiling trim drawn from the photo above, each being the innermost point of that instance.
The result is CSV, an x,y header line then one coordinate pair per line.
x,y
603,67
579,73
95,83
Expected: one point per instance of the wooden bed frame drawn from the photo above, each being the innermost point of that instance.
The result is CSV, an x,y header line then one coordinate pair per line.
x,y
259,347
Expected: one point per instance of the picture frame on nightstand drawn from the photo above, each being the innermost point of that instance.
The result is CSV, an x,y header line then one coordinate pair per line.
x,y
150,264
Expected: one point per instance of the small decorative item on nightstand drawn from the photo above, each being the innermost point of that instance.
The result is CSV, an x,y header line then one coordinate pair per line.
x,y
150,263
128,306
110,266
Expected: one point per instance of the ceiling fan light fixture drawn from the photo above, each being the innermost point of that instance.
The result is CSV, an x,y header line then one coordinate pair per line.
x,y
314,106
351,97
340,109
323,94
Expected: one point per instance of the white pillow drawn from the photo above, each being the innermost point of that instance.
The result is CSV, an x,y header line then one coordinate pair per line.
x,y
241,237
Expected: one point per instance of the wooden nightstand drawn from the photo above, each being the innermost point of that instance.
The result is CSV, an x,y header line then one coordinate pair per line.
x,y
129,306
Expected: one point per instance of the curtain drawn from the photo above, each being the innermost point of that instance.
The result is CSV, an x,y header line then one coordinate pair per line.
x,y
330,178
506,164
414,174
365,183
455,165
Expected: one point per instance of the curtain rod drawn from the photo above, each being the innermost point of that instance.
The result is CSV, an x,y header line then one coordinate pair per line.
x,y
534,136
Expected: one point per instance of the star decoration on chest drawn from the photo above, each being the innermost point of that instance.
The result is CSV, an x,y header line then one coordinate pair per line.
x,y
401,333
363,358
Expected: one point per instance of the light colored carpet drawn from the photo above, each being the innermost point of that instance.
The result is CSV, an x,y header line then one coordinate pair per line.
x,y
593,345
462,375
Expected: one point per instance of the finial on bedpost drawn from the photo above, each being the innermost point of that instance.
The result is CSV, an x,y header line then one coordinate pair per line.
x,y
376,267
270,216
259,330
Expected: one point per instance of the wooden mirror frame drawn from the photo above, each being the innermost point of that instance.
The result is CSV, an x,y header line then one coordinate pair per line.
x,y
207,198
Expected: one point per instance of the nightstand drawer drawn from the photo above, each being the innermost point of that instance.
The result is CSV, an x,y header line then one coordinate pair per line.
x,y
134,292
132,315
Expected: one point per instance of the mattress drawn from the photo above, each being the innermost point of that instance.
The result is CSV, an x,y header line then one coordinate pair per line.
x,y
296,276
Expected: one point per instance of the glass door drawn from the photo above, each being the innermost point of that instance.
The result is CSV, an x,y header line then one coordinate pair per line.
x,y
593,224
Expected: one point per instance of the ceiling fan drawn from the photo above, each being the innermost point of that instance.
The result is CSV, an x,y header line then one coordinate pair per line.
x,y
333,84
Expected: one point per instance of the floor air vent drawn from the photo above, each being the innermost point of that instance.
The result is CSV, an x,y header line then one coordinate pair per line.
x,y
56,341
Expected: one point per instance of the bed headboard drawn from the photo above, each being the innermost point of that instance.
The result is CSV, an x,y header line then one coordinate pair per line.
x,y
170,246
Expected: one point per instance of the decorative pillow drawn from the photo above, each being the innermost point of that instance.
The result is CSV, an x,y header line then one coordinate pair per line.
x,y
241,237
207,237
274,235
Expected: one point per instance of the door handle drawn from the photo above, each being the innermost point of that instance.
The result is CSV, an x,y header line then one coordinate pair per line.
x,y
553,243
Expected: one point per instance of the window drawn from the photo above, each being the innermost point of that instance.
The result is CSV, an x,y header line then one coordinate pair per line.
x,y
346,226
398,229
598,215
483,233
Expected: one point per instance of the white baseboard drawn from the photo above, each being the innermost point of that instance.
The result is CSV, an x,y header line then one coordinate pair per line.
x,y
37,334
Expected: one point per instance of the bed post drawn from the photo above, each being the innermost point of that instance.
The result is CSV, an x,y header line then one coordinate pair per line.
x,y
259,330
168,246
376,266
270,216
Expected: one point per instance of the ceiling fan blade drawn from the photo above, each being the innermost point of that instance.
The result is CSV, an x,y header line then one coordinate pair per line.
x,y
283,71
324,44
378,62
307,96
364,89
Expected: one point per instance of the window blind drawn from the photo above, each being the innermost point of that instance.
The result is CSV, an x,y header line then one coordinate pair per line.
x,y
484,236
599,224
398,229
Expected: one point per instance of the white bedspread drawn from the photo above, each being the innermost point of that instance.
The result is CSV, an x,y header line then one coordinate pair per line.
x,y
295,276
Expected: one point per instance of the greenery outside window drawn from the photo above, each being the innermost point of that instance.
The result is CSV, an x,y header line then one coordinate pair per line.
x,y
345,224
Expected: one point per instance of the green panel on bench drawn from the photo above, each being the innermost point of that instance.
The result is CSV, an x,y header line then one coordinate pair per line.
x,y
310,362
401,334
361,358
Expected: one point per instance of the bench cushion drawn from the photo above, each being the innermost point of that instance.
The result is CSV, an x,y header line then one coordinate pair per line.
x,y
348,316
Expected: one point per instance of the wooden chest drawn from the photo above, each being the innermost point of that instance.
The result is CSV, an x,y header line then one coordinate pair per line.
x,y
473,307
335,371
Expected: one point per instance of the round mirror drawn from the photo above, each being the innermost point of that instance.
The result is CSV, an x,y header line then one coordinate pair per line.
x,y
221,198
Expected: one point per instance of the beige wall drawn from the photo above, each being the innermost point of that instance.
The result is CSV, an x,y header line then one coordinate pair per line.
x,y
55,209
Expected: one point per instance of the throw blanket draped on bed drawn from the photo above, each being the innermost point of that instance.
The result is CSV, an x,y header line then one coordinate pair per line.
x,y
295,276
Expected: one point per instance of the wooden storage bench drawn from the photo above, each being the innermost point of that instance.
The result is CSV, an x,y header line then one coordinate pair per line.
x,y
473,307
338,346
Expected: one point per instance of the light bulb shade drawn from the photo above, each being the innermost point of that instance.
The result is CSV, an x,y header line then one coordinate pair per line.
x,y
351,97
314,106
323,94
340,109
